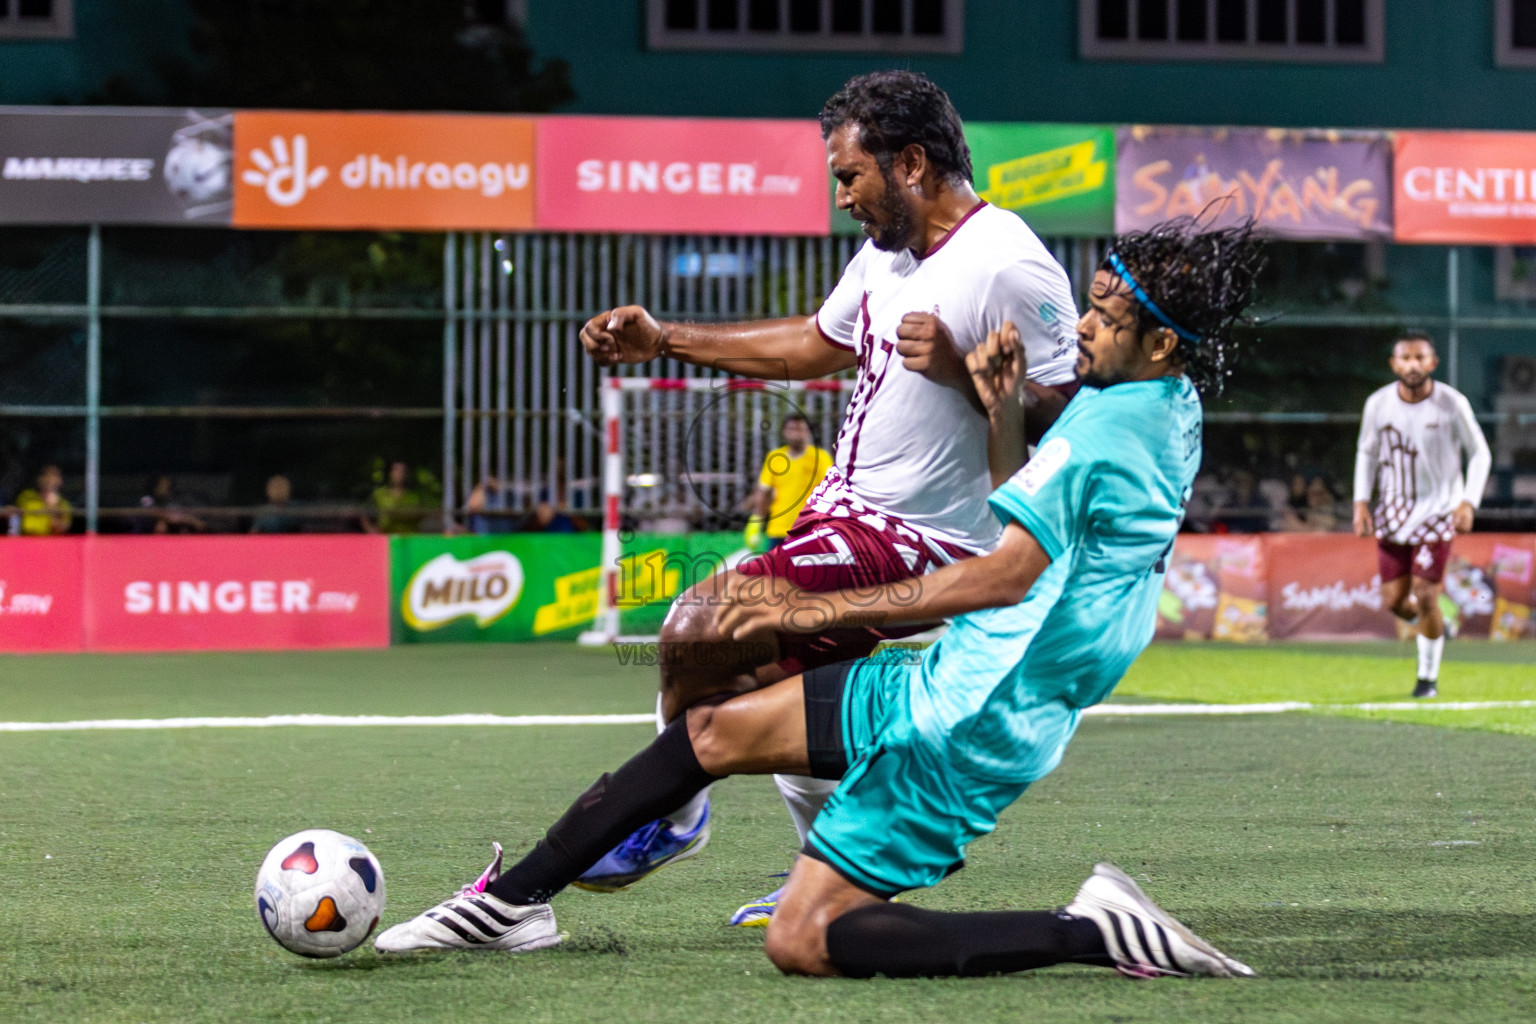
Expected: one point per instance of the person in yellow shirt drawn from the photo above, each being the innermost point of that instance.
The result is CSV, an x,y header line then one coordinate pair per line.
x,y
45,512
790,473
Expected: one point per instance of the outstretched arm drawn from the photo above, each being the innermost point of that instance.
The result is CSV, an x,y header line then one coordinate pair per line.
x,y
791,348
760,604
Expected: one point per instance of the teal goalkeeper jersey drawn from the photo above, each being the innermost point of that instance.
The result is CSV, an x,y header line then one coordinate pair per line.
x,y
1103,495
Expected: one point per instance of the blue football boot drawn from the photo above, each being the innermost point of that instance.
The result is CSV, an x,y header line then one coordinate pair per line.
x,y
645,852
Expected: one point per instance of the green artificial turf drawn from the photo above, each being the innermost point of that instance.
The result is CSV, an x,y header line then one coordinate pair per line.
x,y
1369,870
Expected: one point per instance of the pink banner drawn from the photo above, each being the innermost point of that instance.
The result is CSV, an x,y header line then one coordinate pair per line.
x,y
681,176
236,593
40,594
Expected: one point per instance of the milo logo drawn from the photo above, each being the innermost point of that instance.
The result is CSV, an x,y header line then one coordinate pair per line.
x,y
487,587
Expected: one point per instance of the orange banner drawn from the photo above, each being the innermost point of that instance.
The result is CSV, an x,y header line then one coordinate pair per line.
x,y
406,171
1465,187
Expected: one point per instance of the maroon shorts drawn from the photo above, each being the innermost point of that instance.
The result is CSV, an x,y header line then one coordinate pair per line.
x,y
1424,561
823,552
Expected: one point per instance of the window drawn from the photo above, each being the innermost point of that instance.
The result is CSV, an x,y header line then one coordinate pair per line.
x,y
1321,31
890,26
37,19
1514,34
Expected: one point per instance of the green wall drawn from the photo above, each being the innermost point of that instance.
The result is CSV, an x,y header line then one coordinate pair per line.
x,y
1020,63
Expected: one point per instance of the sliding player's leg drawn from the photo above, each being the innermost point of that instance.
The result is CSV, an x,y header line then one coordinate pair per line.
x,y
758,733
821,553
902,819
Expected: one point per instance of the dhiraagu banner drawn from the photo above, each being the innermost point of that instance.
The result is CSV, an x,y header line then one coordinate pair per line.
x,y
1059,177
518,587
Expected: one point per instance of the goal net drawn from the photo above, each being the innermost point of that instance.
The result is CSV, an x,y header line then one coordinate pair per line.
x,y
684,454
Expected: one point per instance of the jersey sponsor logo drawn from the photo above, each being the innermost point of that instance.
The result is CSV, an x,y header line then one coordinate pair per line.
x,y
1051,457
1048,313
486,587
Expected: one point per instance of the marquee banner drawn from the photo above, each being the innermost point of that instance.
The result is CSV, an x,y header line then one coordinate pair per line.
x,y
1304,185
84,165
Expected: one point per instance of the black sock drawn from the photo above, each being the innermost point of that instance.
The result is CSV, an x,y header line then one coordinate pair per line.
x,y
660,778
901,941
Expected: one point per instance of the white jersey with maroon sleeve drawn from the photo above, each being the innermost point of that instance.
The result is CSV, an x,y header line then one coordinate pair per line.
x,y
908,447
1410,454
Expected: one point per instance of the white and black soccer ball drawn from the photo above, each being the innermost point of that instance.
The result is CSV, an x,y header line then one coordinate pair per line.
x,y
197,170
319,893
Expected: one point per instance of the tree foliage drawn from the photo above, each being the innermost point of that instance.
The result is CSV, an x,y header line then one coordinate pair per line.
x,y
360,55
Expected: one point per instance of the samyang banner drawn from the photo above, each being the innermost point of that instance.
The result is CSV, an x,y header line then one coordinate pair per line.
x,y
103,165
1297,184
1474,188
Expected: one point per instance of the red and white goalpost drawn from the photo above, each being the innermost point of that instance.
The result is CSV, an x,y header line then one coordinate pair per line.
x,y
687,448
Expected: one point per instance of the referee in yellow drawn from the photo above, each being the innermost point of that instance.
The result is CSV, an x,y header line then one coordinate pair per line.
x,y
790,473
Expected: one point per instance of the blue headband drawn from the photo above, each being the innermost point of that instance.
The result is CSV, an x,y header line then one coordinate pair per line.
x,y
1118,266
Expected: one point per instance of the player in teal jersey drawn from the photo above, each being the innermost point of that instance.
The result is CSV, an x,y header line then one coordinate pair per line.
x,y
931,751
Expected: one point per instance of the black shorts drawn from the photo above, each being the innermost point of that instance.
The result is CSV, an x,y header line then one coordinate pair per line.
x,y
824,742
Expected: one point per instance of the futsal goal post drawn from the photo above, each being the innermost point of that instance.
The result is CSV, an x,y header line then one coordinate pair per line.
x,y
684,453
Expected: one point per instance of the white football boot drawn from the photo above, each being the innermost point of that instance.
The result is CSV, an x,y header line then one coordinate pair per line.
x,y
474,919
1144,940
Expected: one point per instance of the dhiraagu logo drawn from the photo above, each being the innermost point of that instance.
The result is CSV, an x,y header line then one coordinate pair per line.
x,y
486,587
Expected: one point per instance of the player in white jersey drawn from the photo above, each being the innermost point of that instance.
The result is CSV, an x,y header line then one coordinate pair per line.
x,y
907,494
1413,436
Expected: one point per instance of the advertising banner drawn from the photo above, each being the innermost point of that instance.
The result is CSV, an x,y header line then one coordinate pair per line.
x,y
1059,177
522,586
40,594
1325,587
62,165
424,171
494,588
1474,188
681,176
1216,589
1490,586
1296,184
236,593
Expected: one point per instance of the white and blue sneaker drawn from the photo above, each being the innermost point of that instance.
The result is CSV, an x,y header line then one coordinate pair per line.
x,y
758,913
645,852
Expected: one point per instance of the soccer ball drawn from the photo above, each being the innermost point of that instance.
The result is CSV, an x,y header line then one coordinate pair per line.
x,y
319,893
197,170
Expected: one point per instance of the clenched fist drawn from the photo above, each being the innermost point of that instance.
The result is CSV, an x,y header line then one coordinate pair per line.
x,y
628,334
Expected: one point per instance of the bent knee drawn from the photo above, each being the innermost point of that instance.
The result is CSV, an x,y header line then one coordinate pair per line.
x,y
792,951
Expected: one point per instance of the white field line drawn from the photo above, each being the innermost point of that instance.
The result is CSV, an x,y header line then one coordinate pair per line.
x,y
1100,711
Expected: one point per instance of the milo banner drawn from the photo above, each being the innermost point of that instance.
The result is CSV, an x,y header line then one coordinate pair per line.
x,y
517,587
1304,185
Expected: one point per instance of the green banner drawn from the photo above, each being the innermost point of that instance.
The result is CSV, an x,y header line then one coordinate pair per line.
x,y
524,586
1059,177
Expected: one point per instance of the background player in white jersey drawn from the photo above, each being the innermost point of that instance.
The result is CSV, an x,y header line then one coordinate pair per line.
x,y
1412,439
908,491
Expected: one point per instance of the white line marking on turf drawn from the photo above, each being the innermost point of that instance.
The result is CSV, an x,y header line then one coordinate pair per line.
x,y
1100,710
272,721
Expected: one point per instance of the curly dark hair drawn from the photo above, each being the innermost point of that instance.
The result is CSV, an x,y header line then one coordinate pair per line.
x,y
1202,280
895,109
